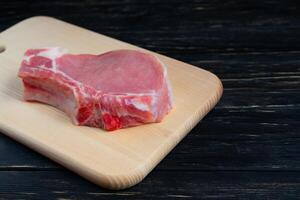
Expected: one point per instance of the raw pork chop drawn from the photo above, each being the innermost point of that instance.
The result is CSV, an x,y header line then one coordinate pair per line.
x,y
113,90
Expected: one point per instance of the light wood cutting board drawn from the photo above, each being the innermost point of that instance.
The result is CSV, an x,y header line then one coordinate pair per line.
x,y
114,160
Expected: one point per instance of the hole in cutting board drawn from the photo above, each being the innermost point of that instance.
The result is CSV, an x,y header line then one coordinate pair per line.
x,y
2,48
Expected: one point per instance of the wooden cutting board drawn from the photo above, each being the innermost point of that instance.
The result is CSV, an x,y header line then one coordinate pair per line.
x,y
114,160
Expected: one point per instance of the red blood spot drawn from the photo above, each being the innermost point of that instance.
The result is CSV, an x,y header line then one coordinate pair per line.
x,y
84,113
111,122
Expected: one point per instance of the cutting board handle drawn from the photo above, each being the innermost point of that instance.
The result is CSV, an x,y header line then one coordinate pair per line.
x,y
2,48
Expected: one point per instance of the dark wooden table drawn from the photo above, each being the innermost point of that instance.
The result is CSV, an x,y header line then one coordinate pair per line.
x,y
247,147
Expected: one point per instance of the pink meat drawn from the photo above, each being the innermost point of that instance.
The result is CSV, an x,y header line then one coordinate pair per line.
x,y
113,90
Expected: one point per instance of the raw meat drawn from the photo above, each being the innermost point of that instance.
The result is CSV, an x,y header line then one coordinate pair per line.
x,y
113,90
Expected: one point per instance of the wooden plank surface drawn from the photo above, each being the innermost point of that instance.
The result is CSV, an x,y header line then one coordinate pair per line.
x,y
211,185
253,46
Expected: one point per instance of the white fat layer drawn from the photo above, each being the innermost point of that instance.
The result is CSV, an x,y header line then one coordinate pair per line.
x,y
139,105
27,58
154,107
170,93
53,53
164,68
